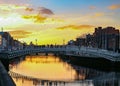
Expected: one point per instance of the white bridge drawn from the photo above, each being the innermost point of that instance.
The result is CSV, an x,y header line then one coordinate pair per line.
x,y
65,50
93,52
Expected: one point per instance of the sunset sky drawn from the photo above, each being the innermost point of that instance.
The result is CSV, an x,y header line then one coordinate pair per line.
x,y
52,21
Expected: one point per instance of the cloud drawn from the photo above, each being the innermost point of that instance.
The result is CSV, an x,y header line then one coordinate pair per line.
x,y
43,10
29,9
98,14
39,17
20,34
92,7
75,27
40,10
114,7
10,7
36,18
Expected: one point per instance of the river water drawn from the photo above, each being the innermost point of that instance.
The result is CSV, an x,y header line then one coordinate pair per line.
x,y
50,70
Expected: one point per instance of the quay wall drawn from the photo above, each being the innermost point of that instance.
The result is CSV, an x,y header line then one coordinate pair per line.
x,y
5,79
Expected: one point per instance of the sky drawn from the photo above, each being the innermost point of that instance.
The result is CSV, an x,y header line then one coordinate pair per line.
x,y
56,21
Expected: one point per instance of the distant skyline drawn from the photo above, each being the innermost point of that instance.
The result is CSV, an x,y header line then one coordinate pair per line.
x,y
52,21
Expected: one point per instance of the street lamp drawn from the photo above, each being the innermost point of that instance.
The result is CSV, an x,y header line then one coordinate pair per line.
x,y
36,41
63,41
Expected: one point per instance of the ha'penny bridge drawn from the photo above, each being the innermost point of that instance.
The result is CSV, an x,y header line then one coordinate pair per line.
x,y
67,50
72,52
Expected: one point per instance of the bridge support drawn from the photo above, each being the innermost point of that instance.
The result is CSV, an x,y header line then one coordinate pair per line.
x,y
46,54
37,53
55,54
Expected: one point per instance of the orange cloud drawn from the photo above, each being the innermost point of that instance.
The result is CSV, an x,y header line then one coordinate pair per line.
x,y
20,33
29,9
76,27
98,14
38,18
114,7
35,18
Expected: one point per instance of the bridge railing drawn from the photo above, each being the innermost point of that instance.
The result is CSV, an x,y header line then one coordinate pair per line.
x,y
100,51
72,49
88,51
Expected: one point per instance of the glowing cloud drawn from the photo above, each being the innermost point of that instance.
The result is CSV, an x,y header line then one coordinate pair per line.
x,y
10,7
114,7
98,14
11,20
29,9
76,27
39,18
20,34
36,18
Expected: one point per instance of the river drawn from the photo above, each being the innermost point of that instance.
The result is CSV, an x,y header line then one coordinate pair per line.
x,y
40,70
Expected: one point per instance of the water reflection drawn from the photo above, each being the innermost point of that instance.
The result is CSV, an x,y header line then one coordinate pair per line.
x,y
109,79
52,71
45,67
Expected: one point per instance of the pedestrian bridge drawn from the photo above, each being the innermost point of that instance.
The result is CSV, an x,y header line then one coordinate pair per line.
x,y
66,50
94,53
18,53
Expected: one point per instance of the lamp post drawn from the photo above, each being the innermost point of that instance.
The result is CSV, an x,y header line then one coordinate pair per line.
x,y
63,41
36,41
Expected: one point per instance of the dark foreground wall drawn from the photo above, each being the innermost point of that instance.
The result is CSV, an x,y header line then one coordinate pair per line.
x,y
5,63
5,79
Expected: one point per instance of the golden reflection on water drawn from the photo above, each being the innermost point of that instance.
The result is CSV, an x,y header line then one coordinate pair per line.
x,y
45,67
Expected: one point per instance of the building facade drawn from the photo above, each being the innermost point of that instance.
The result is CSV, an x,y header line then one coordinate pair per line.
x,y
104,38
107,38
8,43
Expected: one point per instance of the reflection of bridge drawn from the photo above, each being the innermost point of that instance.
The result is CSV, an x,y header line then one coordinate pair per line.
x,y
38,81
67,50
109,79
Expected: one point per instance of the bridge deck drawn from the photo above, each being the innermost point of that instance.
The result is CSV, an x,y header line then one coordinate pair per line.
x,y
74,50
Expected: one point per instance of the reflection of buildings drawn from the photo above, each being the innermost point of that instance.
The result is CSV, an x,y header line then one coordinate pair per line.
x,y
84,73
99,78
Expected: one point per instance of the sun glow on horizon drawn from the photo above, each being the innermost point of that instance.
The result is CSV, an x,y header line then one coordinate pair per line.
x,y
12,20
53,23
